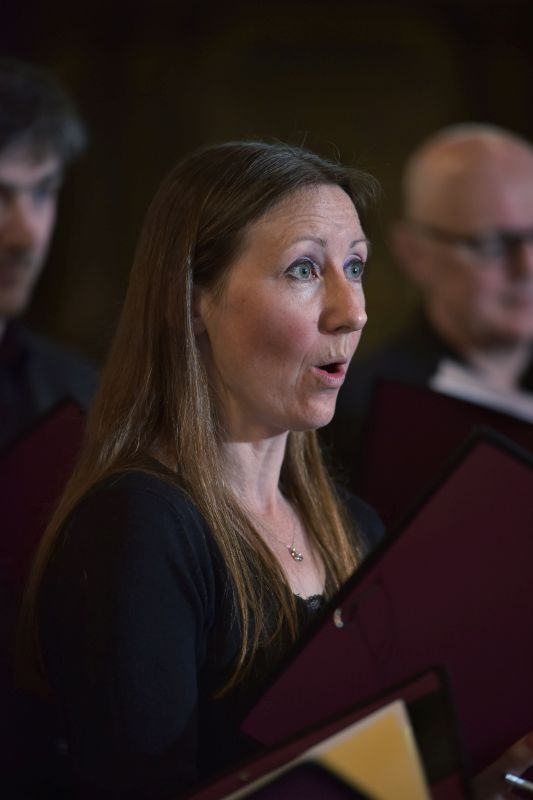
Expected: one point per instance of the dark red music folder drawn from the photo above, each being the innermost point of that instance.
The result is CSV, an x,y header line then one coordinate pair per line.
x,y
33,472
453,586
432,718
410,433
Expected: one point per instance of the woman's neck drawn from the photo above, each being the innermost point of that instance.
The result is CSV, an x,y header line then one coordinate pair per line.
x,y
253,474
254,470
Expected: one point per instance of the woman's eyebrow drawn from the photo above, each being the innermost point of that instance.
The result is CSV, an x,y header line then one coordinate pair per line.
x,y
362,240
323,242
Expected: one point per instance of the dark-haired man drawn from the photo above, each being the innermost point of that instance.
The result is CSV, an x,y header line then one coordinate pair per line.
x,y
40,133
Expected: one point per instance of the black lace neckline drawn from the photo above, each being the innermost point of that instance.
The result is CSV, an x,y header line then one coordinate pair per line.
x,y
313,603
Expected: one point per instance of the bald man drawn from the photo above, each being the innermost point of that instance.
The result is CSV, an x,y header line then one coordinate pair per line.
x,y
465,241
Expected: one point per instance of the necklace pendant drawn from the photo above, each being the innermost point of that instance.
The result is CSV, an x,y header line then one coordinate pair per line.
x,y
294,553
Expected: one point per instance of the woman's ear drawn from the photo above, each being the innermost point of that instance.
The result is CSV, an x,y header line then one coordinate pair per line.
x,y
198,299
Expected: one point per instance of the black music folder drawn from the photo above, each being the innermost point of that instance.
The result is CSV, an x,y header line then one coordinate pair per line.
x,y
296,769
409,434
454,587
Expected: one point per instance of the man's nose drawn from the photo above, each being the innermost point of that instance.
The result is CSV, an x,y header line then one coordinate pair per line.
x,y
344,307
521,258
19,222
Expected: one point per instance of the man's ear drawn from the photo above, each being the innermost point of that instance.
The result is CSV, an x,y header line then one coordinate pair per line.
x,y
198,304
409,253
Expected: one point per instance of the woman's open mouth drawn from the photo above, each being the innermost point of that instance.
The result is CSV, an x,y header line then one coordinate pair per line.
x,y
332,374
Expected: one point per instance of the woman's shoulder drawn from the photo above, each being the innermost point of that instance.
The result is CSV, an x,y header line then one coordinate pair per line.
x,y
139,510
137,489
367,521
136,533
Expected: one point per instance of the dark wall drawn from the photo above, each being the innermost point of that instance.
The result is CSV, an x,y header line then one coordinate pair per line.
x,y
366,80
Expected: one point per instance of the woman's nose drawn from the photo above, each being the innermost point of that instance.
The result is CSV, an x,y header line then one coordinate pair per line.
x,y
344,307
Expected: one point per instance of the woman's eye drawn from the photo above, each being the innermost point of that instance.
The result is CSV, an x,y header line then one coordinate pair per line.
x,y
354,269
302,270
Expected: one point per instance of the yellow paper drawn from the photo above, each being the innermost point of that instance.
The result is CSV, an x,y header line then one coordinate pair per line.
x,y
378,755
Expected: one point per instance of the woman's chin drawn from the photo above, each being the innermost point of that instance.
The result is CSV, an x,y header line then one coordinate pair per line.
x,y
315,421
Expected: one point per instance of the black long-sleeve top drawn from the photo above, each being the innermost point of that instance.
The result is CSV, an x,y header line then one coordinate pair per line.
x,y
138,633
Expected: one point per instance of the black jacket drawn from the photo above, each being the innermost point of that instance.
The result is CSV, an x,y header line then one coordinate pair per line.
x,y
35,375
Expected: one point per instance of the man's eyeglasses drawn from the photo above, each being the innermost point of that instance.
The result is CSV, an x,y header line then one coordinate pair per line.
x,y
491,246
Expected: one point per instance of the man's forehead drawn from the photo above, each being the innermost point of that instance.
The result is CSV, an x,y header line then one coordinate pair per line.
x,y
22,167
477,193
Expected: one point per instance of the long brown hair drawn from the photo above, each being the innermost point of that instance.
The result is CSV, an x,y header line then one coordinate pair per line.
x,y
155,391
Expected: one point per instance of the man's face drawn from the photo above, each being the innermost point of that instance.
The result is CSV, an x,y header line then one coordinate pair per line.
x,y
476,280
28,200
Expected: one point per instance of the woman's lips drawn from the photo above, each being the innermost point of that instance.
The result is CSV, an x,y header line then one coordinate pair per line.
x,y
331,374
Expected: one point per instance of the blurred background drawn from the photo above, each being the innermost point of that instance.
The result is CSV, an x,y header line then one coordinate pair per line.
x,y
364,81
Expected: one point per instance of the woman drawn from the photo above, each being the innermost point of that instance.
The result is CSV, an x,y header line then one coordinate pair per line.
x,y
200,532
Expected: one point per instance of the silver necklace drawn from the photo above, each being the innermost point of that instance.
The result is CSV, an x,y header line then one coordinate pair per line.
x,y
293,552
